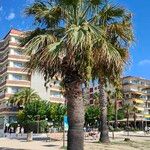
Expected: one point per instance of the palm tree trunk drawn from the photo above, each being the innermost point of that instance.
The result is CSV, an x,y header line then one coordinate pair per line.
x,y
127,118
116,114
75,111
104,132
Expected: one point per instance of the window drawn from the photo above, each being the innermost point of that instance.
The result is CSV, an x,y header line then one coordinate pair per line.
x,y
135,81
126,81
17,77
142,83
18,52
14,40
55,94
12,119
18,64
15,90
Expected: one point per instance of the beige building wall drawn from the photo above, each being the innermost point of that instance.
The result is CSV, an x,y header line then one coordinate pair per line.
x,y
37,83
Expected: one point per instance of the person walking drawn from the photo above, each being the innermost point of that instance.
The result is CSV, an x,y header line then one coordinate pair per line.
x,y
11,130
22,131
17,131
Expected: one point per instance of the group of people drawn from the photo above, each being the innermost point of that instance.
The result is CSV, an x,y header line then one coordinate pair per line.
x,y
17,131
91,133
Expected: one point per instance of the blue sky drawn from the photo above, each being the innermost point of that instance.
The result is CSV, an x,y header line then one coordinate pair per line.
x,y
11,16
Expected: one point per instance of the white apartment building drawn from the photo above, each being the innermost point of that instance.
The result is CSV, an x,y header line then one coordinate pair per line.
x,y
14,77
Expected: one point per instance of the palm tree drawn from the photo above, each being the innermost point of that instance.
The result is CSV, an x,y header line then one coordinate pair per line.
x,y
69,35
23,97
108,67
128,108
117,95
135,110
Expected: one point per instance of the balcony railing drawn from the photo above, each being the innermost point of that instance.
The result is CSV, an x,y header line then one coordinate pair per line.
x,y
8,109
21,57
4,47
5,95
3,59
14,69
56,99
16,82
3,70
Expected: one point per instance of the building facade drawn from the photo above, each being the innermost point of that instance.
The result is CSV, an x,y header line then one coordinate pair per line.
x,y
136,93
14,77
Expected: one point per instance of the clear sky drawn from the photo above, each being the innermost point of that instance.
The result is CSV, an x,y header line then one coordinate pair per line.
x,y
11,16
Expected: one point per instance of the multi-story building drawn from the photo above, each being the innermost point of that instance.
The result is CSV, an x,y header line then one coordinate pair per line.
x,y
91,94
14,76
147,102
53,93
136,93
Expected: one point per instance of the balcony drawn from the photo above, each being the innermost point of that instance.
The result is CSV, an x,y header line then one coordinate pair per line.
x,y
17,70
3,71
22,83
55,88
19,83
3,59
147,116
8,109
6,96
139,108
56,99
138,101
4,47
2,83
18,57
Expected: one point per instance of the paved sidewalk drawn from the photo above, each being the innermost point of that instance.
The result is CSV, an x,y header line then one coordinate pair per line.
x,y
138,142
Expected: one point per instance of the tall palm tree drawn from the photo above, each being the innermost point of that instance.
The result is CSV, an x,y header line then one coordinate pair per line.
x,y
135,110
69,35
128,108
117,95
108,67
23,97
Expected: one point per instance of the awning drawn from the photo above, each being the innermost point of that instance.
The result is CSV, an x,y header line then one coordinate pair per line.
x,y
147,116
139,101
140,108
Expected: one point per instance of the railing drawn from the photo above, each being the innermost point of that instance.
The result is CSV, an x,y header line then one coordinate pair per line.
x,y
3,70
16,82
8,109
5,95
18,57
4,47
56,99
3,83
3,59
14,69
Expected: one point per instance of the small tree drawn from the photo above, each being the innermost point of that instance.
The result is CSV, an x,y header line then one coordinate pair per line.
x,y
56,114
28,116
92,115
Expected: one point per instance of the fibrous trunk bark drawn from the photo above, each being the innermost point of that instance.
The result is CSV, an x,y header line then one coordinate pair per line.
x,y
104,132
75,112
127,118
116,114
